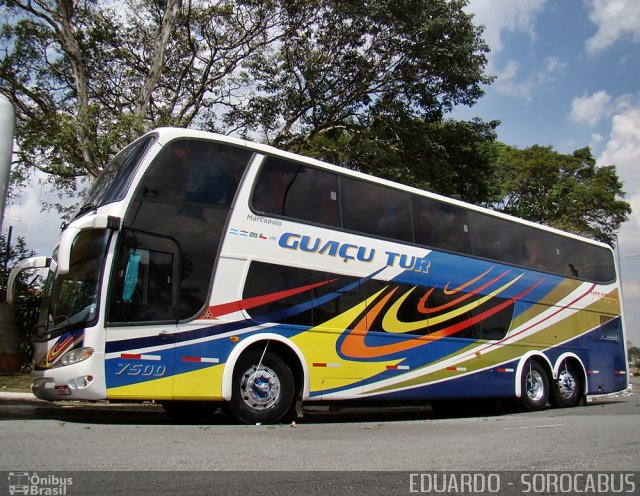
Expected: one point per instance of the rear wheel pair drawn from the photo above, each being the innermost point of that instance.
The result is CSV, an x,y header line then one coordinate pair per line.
x,y
537,389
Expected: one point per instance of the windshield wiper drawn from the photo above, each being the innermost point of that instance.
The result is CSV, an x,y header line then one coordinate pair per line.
x,y
84,209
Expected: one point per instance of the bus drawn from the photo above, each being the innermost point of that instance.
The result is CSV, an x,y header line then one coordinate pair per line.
x,y
204,271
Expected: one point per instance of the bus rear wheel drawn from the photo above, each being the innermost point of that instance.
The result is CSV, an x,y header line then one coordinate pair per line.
x,y
535,386
262,388
565,392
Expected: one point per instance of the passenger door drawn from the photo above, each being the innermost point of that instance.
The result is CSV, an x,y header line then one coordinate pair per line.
x,y
142,317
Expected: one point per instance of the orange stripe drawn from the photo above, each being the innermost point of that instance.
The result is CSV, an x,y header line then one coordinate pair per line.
x,y
466,284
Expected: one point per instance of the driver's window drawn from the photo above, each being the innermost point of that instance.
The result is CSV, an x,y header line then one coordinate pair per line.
x,y
143,280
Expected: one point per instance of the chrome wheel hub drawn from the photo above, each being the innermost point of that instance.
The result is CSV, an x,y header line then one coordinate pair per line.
x,y
534,385
260,387
566,384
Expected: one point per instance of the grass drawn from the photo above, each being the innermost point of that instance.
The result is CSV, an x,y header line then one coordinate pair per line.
x,y
15,383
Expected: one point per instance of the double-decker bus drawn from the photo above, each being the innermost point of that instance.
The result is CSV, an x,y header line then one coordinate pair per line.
x,y
204,270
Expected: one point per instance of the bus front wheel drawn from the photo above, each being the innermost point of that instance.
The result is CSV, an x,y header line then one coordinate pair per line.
x,y
535,386
262,389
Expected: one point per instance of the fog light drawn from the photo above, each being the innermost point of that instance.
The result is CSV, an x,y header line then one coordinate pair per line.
x,y
83,382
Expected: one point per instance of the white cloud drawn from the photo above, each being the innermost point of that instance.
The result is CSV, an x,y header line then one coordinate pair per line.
x,y
508,82
623,147
590,109
40,229
614,19
505,15
513,16
623,150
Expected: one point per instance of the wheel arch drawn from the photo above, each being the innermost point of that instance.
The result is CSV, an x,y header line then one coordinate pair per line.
x,y
285,348
531,355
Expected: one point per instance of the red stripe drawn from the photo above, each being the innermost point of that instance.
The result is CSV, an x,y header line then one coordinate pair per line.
x,y
130,356
235,306
316,364
190,359
422,308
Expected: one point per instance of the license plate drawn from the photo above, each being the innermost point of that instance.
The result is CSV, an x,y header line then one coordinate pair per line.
x,y
63,390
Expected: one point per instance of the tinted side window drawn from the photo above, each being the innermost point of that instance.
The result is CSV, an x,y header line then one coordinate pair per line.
x,y
440,225
186,195
377,210
195,171
143,280
541,250
586,261
495,238
294,190
477,322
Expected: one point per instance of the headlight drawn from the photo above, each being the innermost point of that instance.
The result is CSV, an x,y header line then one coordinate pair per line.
x,y
74,356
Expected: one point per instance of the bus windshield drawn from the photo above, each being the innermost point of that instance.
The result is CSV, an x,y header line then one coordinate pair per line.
x,y
71,300
114,181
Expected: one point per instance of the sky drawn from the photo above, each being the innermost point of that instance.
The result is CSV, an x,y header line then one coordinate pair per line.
x,y
567,76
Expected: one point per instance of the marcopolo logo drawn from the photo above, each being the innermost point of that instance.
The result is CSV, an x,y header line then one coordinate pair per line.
x,y
38,485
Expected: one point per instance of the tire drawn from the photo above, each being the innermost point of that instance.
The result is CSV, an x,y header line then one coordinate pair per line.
x,y
261,396
190,411
534,386
566,391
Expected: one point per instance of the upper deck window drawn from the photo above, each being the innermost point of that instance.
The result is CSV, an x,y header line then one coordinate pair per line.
x,y
291,189
114,182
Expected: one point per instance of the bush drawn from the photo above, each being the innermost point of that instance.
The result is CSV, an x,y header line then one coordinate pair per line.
x,y
27,309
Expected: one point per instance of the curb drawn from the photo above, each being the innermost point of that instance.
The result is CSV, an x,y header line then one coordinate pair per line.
x,y
4,395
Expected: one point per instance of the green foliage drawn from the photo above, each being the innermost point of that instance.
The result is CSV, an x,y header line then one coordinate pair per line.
x,y
340,64
453,158
570,192
87,78
9,257
27,308
27,295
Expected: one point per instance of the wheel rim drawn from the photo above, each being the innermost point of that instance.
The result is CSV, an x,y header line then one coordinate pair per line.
x,y
567,384
535,385
260,388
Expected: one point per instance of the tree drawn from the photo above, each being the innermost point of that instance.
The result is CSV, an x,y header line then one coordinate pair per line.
x,y
86,78
569,192
339,63
10,256
633,353
453,158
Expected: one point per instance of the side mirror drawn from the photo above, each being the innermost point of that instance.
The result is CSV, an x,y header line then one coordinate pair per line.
x,y
73,229
29,263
